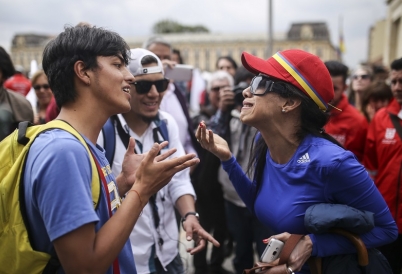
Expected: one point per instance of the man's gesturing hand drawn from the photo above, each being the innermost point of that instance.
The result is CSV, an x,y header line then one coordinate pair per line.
x,y
156,171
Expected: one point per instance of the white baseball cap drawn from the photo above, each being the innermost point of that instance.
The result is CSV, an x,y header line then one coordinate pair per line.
x,y
135,66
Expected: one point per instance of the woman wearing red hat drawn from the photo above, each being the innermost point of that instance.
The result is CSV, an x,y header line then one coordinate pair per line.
x,y
294,162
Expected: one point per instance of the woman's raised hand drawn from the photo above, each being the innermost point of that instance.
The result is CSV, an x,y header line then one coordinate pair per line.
x,y
212,142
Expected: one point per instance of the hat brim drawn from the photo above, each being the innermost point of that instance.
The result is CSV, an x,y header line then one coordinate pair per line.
x,y
257,65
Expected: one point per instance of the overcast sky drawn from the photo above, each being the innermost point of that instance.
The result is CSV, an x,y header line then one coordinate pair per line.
x,y
133,18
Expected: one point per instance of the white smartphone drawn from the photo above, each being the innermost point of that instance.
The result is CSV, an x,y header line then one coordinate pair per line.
x,y
272,251
179,72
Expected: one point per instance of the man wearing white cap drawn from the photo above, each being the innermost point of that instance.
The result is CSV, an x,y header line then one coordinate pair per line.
x,y
155,236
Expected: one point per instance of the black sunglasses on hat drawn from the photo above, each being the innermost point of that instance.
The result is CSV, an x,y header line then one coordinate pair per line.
x,y
144,86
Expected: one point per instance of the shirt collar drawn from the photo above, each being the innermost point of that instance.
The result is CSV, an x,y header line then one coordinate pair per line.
x,y
127,128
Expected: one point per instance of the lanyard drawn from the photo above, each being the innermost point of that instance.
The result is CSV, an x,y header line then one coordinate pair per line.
x,y
125,137
116,268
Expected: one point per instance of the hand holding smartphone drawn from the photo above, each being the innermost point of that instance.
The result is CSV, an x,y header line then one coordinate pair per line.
x,y
272,251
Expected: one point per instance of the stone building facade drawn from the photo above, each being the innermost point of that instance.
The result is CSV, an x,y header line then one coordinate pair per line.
x,y
28,47
202,49
385,38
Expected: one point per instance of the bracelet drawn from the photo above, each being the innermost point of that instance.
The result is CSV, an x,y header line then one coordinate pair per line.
x,y
290,271
189,213
139,197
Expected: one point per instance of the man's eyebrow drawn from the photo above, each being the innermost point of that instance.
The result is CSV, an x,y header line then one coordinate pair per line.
x,y
119,56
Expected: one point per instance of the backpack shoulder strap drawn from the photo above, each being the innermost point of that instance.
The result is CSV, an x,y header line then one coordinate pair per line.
x,y
25,135
396,123
163,130
109,139
95,181
161,125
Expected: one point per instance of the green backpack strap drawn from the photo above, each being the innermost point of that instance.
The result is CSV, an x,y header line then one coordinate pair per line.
x,y
95,182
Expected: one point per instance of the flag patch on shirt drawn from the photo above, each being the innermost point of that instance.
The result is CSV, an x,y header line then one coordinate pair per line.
x,y
304,159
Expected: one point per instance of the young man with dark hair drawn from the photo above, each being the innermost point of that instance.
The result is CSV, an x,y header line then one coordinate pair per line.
x,y
86,68
346,125
383,160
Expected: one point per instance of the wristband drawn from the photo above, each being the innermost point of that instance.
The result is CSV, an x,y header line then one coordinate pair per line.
x,y
189,213
139,197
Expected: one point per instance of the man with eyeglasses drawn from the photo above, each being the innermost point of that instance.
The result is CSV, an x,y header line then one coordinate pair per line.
x,y
347,125
155,236
383,160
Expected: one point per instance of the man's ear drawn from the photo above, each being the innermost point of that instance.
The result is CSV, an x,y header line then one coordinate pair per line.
x,y
291,104
82,73
346,86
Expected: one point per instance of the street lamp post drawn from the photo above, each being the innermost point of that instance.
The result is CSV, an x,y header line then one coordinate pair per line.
x,y
270,35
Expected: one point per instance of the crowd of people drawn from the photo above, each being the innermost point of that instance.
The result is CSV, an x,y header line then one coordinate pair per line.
x,y
271,138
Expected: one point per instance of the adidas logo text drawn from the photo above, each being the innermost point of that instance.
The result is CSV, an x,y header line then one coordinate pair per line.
x,y
304,159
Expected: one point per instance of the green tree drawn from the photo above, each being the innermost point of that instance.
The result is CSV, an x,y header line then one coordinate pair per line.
x,y
171,26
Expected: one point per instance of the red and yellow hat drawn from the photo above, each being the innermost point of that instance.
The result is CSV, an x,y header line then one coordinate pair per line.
x,y
299,68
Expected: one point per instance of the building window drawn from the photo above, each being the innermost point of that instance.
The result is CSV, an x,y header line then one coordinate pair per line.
x,y
184,53
218,52
196,57
319,52
207,59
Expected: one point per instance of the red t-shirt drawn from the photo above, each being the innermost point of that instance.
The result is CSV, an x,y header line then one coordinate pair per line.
x,y
18,83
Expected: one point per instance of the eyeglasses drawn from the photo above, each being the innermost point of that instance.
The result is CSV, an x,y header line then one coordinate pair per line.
x,y
144,86
262,84
38,87
362,76
218,88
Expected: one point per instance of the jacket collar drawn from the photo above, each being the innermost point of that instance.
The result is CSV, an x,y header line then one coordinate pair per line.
x,y
394,107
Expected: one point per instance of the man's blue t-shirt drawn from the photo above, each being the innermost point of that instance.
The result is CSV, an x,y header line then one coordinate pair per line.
x,y
57,180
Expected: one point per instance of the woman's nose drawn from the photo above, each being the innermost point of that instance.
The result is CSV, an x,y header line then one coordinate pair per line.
x,y
247,93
